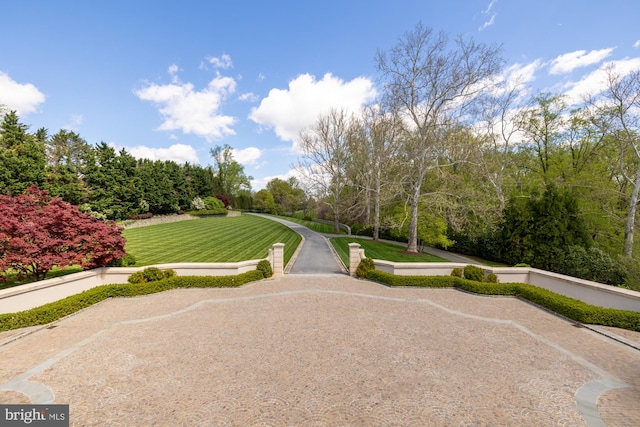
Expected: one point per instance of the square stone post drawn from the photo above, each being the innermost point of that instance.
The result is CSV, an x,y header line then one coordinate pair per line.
x,y
355,255
278,259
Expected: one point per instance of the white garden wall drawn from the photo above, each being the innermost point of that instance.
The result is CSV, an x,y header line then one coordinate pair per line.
x,y
32,295
584,290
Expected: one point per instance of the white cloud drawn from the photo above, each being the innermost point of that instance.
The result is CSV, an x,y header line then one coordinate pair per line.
x,y
179,153
261,183
596,81
288,111
249,96
261,76
247,156
223,62
191,111
636,44
488,9
22,97
519,74
488,23
74,122
568,62
173,69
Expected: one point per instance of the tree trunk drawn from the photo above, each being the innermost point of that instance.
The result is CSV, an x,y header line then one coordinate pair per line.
x,y
336,219
412,245
631,216
376,208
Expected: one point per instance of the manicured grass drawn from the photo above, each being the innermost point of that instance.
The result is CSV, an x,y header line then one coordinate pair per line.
x,y
213,239
379,250
301,214
318,227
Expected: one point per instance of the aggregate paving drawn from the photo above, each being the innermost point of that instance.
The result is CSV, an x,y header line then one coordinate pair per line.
x,y
322,350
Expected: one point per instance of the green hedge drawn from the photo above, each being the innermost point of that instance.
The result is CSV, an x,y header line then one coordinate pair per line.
x,y
64,307
208,212
568,307
422,281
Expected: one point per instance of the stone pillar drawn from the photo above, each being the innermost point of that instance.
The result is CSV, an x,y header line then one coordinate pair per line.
x,y
278,259
355,255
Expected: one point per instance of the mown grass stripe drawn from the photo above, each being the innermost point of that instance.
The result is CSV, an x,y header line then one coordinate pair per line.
x,y
380,250
217,239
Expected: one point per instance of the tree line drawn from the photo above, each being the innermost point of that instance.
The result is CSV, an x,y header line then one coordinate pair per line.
x,y
109,183
450,155
454,156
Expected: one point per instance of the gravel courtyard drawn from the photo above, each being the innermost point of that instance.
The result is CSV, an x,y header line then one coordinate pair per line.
x,y
322,350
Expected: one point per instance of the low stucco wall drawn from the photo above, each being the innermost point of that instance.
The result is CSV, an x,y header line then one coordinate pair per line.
x,y
32,295
24,297
584,290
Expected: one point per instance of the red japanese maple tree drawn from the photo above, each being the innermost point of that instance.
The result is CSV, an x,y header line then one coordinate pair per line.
x,y
38,232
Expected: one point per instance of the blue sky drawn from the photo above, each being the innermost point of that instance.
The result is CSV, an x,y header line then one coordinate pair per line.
x,y
171,80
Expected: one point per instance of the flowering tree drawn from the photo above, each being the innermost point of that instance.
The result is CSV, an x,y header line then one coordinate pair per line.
x,y
38,232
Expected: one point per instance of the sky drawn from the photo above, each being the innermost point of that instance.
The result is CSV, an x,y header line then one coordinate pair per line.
x,y
169,80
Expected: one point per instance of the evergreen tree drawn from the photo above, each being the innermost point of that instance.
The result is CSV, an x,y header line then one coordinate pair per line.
x,y
22,157
539,231
112,183
66,157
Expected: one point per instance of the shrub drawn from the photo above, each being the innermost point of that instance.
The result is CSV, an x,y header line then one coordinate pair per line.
x,y
473,272
603,269
225,201
485,288
491,278
456,272
592,264
145,215
212,203
150,274
422,281
264,266
197,204
307,218
126,261
366,265
631,269
206,212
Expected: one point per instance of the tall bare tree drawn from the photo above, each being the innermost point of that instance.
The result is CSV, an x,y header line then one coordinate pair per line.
x,y
432,84
373,152
324,158
497,129
620,107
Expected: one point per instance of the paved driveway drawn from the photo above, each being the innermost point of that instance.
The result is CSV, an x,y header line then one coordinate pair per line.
x,y
323,350
315,256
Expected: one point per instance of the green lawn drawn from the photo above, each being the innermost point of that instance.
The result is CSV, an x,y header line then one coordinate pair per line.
x,y
379,250
318,227
214,239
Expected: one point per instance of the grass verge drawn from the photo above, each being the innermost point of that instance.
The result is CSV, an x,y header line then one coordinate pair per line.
x,y
379,250
318,227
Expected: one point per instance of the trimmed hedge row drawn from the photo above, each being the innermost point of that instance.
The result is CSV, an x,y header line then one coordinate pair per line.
x,y
64,307
568,307
208,212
